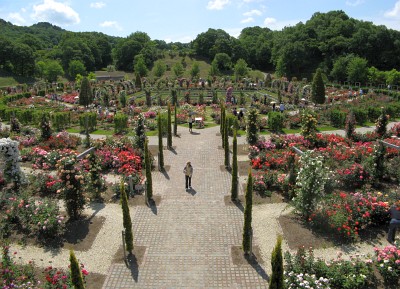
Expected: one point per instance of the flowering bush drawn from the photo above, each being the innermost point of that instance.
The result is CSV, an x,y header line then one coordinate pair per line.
x,y
45,185
300,280
13,275
353,176
388,260
150,114
345,214
47,160
40,219
395,130
16,276
60,278
62,140
337,273
310,183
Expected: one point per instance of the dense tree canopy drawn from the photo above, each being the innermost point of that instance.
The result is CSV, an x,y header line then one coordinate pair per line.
x,y
346,49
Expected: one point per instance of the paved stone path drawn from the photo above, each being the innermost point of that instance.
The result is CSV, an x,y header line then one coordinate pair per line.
x,y
188,238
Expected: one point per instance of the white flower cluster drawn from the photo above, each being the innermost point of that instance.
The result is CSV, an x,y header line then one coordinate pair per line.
x,y
301,280
10,153
310,181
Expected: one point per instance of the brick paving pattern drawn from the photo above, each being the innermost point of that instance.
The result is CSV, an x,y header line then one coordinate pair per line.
x,y
189,236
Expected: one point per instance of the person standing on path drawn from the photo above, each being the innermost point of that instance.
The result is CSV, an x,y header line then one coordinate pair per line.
x,y
188,171
394,222
190,121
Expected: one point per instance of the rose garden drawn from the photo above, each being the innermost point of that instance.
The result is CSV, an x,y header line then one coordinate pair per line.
x,y
66,147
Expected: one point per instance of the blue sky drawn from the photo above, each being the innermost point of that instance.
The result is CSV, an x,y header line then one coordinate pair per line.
x,y
183,20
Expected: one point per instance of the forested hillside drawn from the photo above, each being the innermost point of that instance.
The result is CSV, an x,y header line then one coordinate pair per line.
x,y
343,47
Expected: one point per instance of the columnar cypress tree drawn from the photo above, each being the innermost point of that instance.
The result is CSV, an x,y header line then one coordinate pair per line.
x,y
127,222
76,274
174,97
277,280
252,127
318,88
45,127
160,142
221,128
350,125
226,143
234,189
140,136
169,132
85,94
175,121
149,182
247,230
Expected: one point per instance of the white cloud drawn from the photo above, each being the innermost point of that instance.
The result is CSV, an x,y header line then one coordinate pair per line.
x,y
253,12
247,20
16,18
274,24
217,4
269,21
55,12
97,5
355,3
395,12
111,24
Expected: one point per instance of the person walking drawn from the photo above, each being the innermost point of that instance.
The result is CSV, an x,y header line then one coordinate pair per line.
x,y
188,171
190,121
394,222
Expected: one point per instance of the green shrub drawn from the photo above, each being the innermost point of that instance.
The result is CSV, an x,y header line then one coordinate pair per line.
x,y
120,123
361,115
60,120
338,118
275,121
373,113
90,118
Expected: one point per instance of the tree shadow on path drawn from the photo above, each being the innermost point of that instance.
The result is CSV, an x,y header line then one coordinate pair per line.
x,y
132,264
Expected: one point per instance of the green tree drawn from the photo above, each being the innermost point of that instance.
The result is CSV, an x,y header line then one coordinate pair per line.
x,y
214,71
339,70
252,127
195,71
122,98
45,127
223,61
178,69
241,69
40,68
138,81
393,77
226,143
357,70
53,70
140,67
76,67
85,94
160,143
175,121
247,229
159,68
277,281
149,182
127,222
235,177
76,274
318,88
169,124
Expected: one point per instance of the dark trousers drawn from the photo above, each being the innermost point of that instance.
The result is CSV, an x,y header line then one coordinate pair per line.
x,y
188,181
394,224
